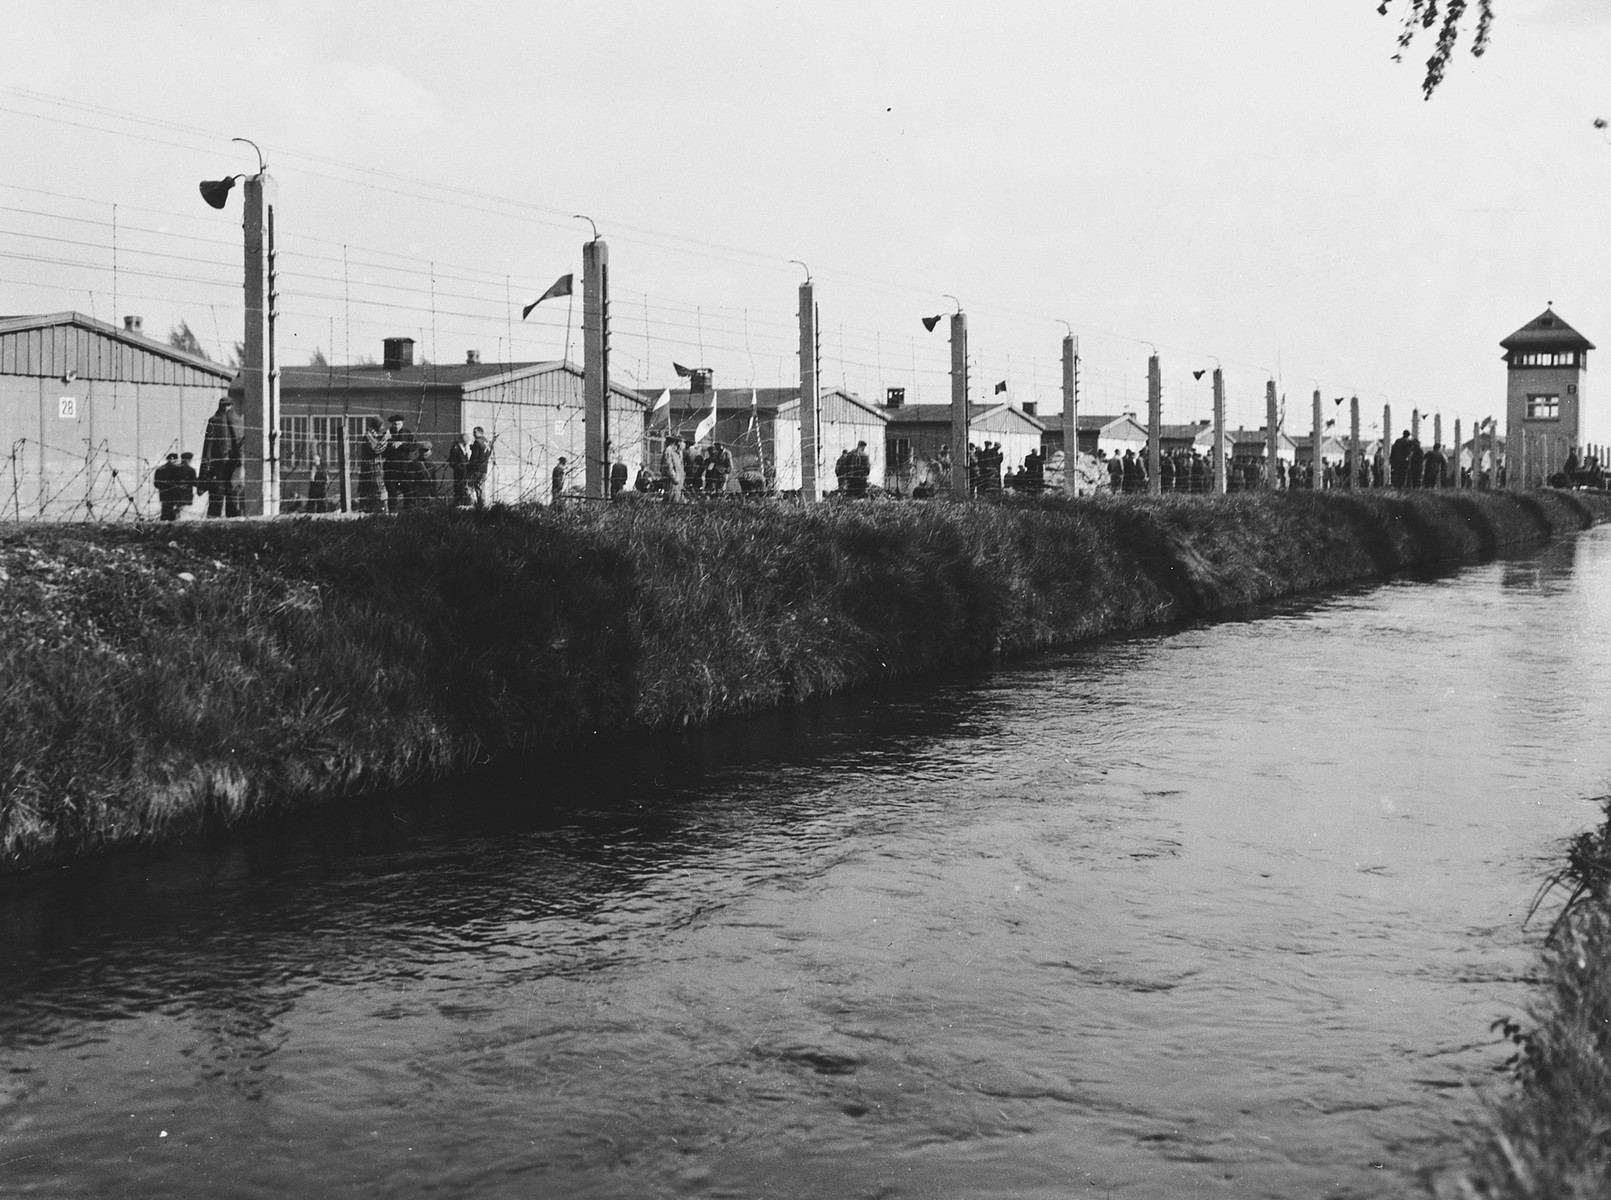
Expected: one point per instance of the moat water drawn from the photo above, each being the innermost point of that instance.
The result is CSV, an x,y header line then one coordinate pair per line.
x,y
1226,910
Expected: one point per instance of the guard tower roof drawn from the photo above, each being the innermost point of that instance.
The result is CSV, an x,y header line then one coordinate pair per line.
x,y
1547,332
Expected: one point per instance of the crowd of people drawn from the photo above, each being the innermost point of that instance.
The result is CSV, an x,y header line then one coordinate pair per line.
x,y
393,469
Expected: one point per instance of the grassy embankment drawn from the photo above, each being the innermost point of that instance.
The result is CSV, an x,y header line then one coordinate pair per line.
x,y
1550,1137
156,678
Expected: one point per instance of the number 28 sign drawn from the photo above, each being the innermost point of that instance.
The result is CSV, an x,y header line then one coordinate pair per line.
x,y
67,408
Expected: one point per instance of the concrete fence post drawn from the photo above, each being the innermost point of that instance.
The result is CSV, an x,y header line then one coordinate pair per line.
x,y
1222,467
260,400
1071,417
959,405
596,368
1437,440
1271,416
344,463
1154,425
1316,482
1387,444
1458,481
1355,461
810,452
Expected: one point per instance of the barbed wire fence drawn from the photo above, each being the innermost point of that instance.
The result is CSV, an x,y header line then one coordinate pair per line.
x,y
73,251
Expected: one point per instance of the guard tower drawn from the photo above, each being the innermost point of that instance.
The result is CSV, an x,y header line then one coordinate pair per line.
x,y
1546,359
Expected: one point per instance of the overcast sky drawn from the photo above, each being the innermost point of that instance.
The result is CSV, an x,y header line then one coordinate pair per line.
x,y
1249,179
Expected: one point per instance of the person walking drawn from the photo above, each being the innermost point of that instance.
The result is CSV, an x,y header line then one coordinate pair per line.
x,y
223,461
671,470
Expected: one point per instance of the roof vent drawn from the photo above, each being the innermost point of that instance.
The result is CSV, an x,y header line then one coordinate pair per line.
x,y
1544,321
397,353
134,325
472,358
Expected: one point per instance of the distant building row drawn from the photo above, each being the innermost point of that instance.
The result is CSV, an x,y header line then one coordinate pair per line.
x,y
88,409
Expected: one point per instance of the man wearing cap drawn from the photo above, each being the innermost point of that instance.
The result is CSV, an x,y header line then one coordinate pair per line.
x,y
223,461
185,483
166,477
857,469
671,471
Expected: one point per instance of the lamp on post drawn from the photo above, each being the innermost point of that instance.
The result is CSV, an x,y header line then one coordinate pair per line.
x,y
260,375
960,484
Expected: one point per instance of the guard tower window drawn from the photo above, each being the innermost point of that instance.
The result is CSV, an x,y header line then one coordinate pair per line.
x,y
1547,358
1543,408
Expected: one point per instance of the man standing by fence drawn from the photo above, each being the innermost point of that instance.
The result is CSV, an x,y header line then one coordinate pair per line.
x,y
671,471
480,466
223,461
167,480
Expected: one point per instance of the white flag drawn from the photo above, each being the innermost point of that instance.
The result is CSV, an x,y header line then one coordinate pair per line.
x,y
706,423
665,399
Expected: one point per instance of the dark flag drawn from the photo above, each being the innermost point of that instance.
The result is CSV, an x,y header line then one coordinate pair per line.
x,y
682,371
1001,387
1199,374
561,287
930,322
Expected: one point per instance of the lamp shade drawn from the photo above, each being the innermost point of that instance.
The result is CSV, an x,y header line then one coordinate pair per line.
x,y
216,191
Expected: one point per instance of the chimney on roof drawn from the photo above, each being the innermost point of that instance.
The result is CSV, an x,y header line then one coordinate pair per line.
x,y
134,325
472,358
397,353
894,397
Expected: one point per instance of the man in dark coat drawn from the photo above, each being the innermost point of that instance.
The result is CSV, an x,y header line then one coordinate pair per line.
x,y
857,468
1398,458
396,453
459,468
718,466
185,484
1417,464
480,465
166,477
1034,473
1433,467
1135,475
223,461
